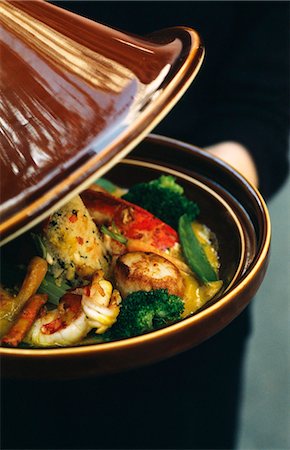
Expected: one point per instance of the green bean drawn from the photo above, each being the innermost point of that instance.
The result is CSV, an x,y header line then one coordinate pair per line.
x,y
193,251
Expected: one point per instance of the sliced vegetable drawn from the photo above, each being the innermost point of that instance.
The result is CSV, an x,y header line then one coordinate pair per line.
x,y
107,185
54,291
114,234
40,247
193,251
36,271
11,306
25,320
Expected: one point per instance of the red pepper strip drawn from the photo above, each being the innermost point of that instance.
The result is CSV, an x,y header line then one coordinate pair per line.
x,y
25,320
73,218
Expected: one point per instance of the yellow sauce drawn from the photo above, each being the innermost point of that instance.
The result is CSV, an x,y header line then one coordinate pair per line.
x,y
196,295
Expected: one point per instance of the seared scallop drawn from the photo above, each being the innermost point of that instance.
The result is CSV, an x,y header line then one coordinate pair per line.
x,y
137,271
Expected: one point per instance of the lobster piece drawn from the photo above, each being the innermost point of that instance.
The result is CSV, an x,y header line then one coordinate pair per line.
x,y
131,220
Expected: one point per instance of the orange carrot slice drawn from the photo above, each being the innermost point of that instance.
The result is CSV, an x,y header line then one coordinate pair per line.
x,y
25,320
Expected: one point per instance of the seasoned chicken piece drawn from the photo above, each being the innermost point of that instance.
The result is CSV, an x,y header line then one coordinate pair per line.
x,y
137,271
73,242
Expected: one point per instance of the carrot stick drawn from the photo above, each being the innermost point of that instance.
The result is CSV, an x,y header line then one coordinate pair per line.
x,y
10,306
36,271
24,322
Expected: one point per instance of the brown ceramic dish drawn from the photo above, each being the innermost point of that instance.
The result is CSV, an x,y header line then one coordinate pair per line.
x,y
76,97
239,217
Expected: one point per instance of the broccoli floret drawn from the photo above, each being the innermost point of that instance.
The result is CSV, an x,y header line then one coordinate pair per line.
x,y
164,198
168,182
143,311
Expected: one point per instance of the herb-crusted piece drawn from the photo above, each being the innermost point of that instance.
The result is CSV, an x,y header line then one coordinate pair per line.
x,y
73,243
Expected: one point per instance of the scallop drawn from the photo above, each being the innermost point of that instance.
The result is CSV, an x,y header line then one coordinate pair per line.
x,y
137,271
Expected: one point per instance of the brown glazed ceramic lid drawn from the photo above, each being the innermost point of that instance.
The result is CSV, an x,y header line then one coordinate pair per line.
x,y
76,97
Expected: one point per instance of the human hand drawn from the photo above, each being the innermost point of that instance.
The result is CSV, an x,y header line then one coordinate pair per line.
x,y
237,156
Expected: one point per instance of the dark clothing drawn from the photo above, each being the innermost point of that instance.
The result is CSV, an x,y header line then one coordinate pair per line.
x,y
242,90
191,400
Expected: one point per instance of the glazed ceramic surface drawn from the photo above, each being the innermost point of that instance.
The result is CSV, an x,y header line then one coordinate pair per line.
x,y
232,208
76,97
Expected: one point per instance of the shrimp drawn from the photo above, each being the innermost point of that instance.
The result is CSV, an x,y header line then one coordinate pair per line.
x,y
95,306
65,325
131,220
100,303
